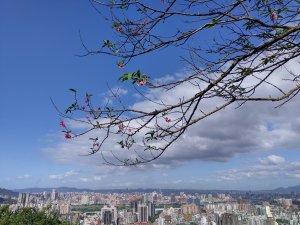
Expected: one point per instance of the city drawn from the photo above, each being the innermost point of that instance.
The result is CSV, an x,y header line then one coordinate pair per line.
x,y
171,208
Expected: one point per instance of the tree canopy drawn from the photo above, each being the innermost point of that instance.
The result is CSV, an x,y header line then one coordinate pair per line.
x,y
248,43
29,216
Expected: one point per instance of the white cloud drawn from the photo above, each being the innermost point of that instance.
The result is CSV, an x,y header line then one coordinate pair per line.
x,y
98,178
25,176
253,127
272,166
63,176
85,179
273,159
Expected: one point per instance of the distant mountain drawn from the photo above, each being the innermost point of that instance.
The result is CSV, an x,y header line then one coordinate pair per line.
x,y
8,192
73,189
60,189
295,189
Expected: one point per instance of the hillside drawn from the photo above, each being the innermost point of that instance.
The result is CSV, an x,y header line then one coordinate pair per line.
x,y
10,193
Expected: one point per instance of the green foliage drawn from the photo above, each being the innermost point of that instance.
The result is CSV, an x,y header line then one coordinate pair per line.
x,y
86,208
29,216
282,221
135,77
153,218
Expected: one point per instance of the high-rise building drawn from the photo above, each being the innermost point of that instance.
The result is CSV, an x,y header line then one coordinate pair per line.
x,y
143,213
54,195
85,199
230,219
172,198
107,218
190,209
108,215
27,200
22,200
134,204
151,209
148,197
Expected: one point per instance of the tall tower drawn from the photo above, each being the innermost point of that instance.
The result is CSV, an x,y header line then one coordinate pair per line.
x,y
108,215
107,218
142,213
22,199
151,209
54,195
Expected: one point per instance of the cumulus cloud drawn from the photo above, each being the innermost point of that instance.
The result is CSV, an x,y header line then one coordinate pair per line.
x,y
270,167
230,132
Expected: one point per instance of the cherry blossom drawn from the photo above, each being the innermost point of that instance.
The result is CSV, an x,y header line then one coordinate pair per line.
x,y
168,120
68,136
141,83
119,30
62,124
274,16
121,65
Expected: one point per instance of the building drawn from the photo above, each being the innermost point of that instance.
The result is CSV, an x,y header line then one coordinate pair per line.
x,y
143,213
230,219
54,195
189,209
22,200
151,209
108,215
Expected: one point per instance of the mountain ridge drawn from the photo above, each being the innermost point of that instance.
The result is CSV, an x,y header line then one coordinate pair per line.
x,y
127,190
10,193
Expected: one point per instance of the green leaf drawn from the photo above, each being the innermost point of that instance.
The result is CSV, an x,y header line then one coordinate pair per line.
x,y
72,89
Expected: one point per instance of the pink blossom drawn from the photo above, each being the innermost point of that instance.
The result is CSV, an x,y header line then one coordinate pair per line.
x,y
62,124
86,100
141,83
121,65
274,16
87,116
95,144
121,126
82,107
119,30
168,120
68,136
145,22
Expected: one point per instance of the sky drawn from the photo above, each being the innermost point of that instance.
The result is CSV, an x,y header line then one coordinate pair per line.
x,y
254,147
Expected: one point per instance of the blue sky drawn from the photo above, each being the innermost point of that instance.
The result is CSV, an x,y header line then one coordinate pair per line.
x,y
38,44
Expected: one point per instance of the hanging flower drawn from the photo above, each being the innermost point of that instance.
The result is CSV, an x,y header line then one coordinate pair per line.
x,y
168,120
62,124
121,127
68,136
274,16
142,83
119,30
87,100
